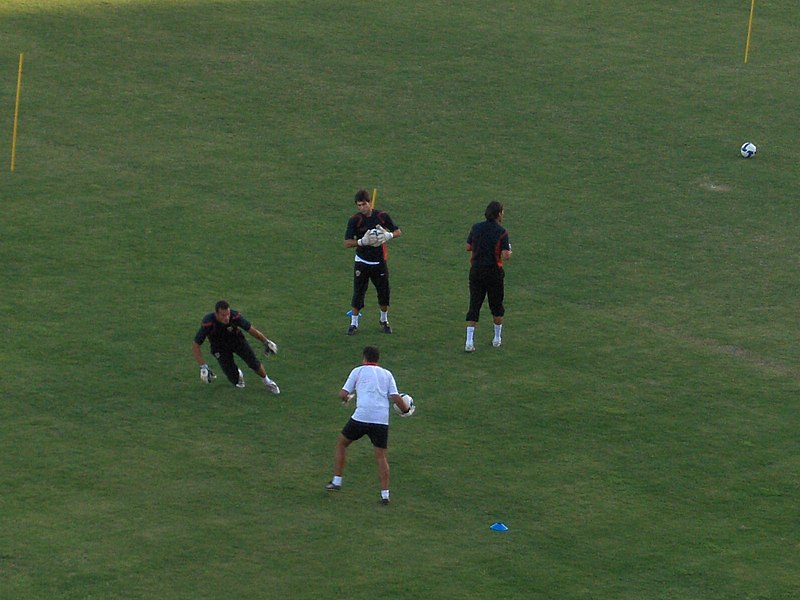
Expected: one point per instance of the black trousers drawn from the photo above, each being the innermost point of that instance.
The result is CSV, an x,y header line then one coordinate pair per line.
x,y
224,356
362,275
483,282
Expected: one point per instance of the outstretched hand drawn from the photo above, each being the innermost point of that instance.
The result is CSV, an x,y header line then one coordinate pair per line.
x,y
270,347
206,374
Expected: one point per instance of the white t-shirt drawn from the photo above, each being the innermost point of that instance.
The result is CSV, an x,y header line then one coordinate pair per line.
x,y
373,384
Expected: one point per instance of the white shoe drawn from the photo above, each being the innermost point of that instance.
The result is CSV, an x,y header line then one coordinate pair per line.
x,y
240,383
469,348
496,342
272,386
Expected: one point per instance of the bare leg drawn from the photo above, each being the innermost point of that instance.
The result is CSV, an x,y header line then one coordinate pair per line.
x,y
340,455
383,467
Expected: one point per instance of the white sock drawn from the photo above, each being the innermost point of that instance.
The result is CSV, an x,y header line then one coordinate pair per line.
x,y
498,331
354,320
267,379
384,316
385,494
337,480
470,334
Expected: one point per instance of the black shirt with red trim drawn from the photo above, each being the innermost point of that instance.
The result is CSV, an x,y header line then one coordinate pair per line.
x,y
358,225
222,335
487,240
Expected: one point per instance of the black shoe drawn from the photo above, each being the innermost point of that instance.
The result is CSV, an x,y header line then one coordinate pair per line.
x,y
352,329
332,487
386,327
385,501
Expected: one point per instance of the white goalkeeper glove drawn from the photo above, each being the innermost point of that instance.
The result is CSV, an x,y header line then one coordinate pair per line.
x,y
377,239
349,398
366,239
270,347
381,236
411,406
387,235
206,375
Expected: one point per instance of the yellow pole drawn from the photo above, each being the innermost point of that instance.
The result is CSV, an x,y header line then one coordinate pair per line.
x,y
749,29
16,115
374,195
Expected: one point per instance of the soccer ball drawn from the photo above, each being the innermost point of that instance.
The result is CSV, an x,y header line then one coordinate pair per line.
x,y
410,401
748,149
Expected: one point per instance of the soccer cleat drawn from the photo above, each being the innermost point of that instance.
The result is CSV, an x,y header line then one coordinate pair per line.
x,y
240,383
386,327
496,342
272,386
332,487
352,329
469,348
384,501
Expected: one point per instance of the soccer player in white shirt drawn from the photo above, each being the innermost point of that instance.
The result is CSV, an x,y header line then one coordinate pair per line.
x,y
375,390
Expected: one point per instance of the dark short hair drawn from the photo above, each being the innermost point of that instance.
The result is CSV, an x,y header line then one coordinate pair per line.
x,y
221,305
372,354
493,210
362,195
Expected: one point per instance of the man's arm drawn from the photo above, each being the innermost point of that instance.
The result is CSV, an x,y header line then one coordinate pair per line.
x,y
270,347
401,404
505,252
350,234
198,353
257,334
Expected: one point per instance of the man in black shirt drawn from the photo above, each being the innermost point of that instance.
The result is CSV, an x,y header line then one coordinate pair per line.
x,y
370,263
223,329
489,246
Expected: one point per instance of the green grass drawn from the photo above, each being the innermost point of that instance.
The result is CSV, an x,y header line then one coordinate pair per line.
x,y
637,430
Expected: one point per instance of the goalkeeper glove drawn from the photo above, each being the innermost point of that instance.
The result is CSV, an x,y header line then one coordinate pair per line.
x,y
386,234
270,347
411,406
365,240
206,375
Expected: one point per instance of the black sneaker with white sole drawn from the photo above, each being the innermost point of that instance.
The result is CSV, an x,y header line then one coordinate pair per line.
x,y
386,327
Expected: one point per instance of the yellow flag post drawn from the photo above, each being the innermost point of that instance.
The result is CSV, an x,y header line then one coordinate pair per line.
x,y
16,115
374,195
749,29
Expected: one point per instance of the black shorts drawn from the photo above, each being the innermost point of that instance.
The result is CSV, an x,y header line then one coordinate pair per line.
x,y
378,434
362,275
224,356
483,282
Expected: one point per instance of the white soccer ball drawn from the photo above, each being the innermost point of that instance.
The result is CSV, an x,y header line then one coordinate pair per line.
x,y
409,401
748,149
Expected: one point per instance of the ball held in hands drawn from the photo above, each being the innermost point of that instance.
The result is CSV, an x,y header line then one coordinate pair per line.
x,y
409,402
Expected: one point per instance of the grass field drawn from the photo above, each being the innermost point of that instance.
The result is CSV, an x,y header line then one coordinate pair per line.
x,y
637,432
